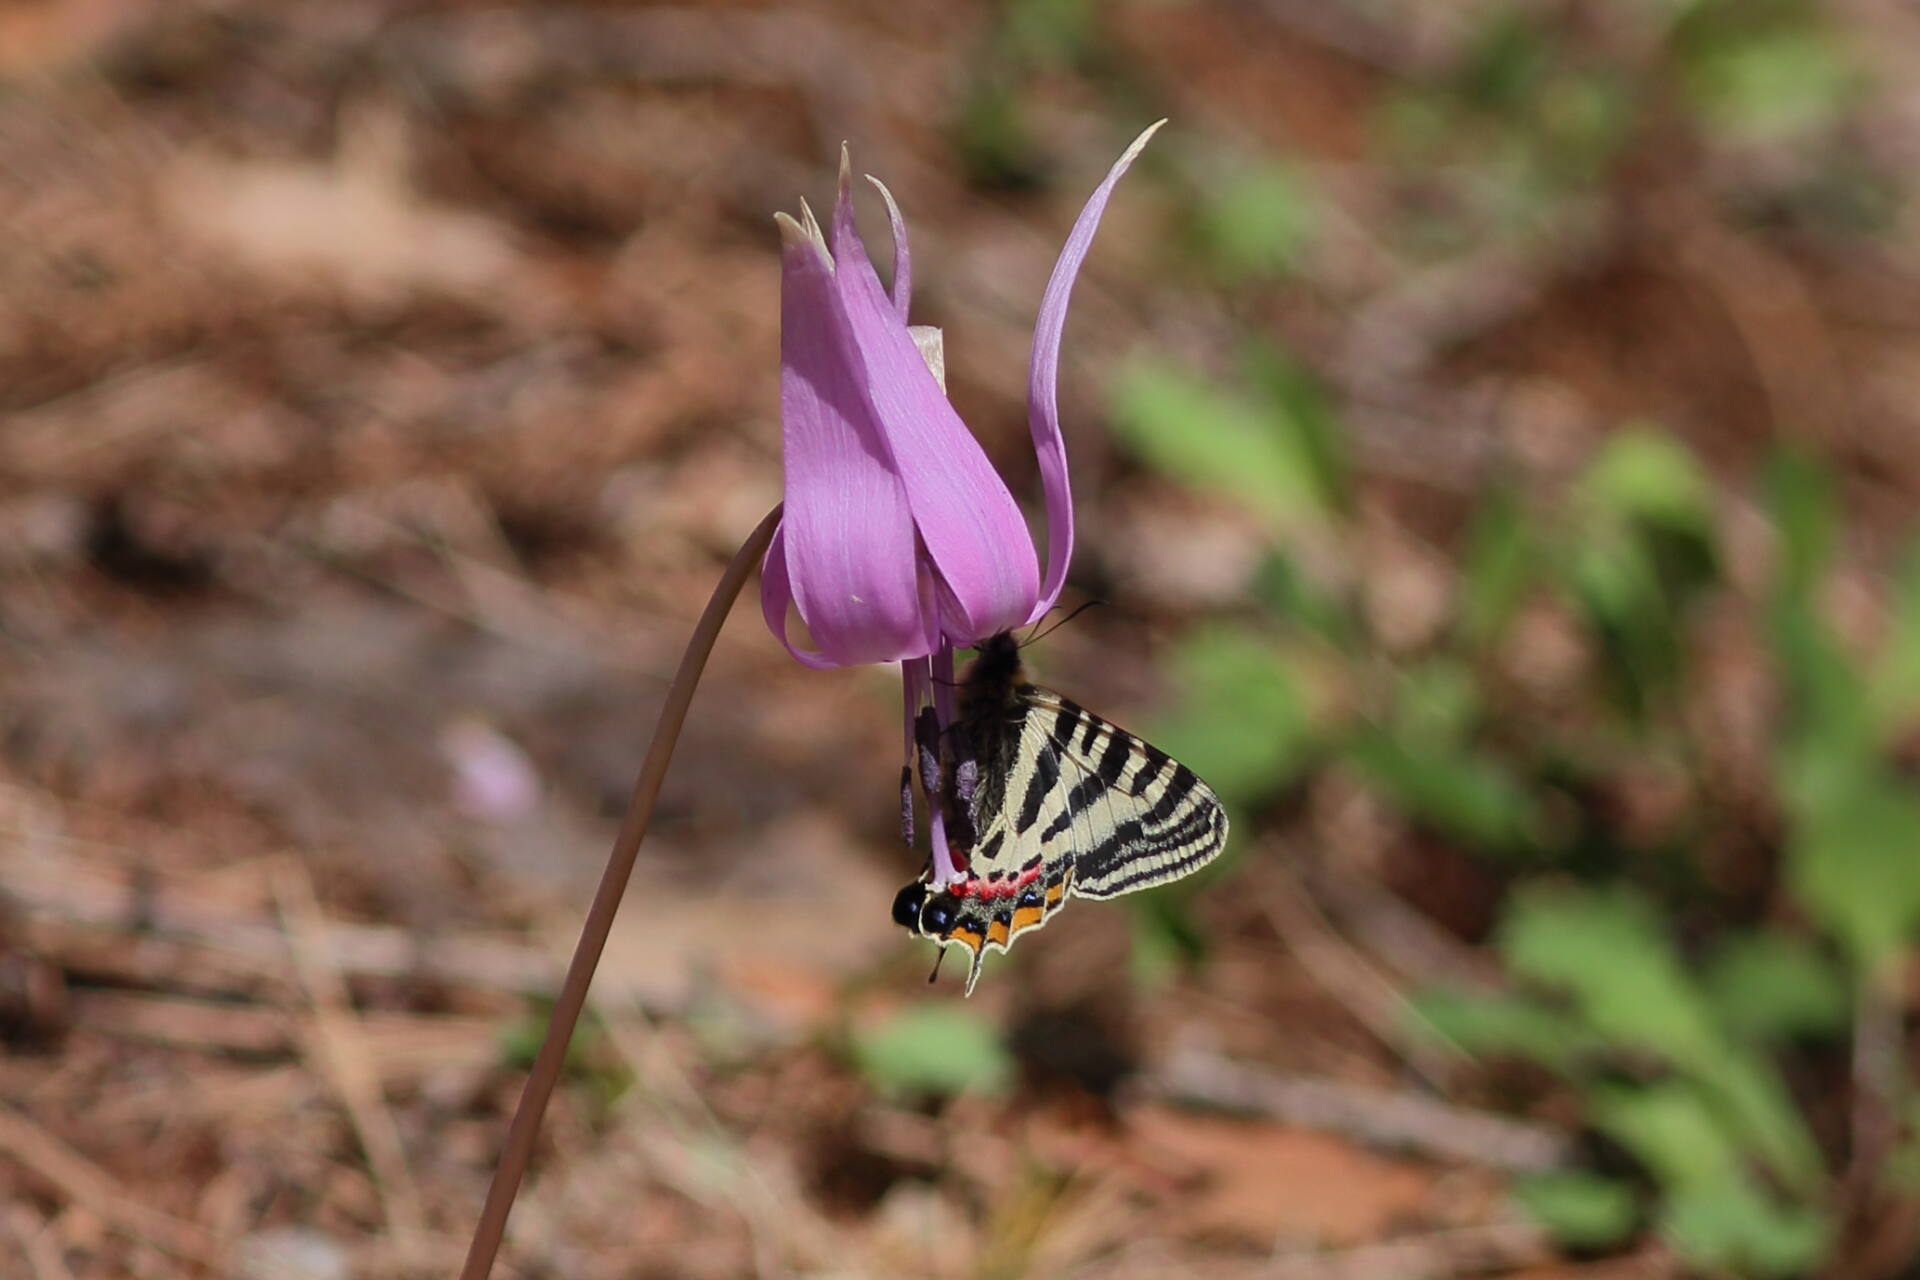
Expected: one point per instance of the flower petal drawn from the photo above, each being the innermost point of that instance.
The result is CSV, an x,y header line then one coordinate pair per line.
x,y
970,525
776,594
902,291
851,550
1043,377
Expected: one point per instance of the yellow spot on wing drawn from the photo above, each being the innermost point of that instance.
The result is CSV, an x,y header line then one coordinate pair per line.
x,y
1027,917
997,933
968,938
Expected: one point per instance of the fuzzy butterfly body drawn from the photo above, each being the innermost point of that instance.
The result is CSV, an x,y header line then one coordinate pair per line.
x,y
1045,800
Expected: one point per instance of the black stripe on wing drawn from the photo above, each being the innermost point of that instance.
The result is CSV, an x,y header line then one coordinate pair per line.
x,y
1041,783
1131,815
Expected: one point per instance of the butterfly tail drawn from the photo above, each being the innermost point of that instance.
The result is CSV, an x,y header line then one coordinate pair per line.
x,y
973,969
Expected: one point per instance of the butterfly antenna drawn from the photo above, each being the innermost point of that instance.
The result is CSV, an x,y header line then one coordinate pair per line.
x,y
1078,610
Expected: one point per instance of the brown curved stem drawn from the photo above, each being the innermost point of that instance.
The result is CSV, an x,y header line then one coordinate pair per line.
x,y
525,1126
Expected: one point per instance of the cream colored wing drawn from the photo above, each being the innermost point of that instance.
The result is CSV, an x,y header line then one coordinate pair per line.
x,y
1079,789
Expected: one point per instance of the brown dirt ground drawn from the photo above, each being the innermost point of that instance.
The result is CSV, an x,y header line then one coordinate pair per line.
x,y
381,387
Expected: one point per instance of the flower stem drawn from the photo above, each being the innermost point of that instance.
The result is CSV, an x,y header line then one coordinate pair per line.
x,y
525,1126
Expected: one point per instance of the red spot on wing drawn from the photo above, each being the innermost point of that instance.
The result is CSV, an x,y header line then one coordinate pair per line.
x,y
988,889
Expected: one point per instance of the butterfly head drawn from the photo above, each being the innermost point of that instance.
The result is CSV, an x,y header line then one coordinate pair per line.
x,y
906,905
943,917
929,914
997,662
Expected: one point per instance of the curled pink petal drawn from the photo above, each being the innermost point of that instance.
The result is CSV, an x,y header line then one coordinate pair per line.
x,y
970,525
902,291
900,539
852,552
1043,376
776,594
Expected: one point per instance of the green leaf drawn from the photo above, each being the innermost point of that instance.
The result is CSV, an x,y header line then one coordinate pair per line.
x,y
1645,474
1498,564
1436,704
1769,987
1469,797
1608,951
1610,954
1734,1226
933,1049
1617,587
1287,592
1294,397
1243,723
1669,1128
1256,221
1048,33
1784,83
1851,851
1582,121
1712,1212
1582,1210
1220,440
991,134
1504,1025
1507,57
519,1040
1165,938
1896,673
1639,549
1830,714
1800,496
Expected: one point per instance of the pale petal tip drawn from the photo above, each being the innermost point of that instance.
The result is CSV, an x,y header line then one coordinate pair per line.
x,y
846,171
1139,144
803,233
933,350
885,194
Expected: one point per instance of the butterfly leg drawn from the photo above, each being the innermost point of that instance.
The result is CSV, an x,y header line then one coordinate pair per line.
x,y
926,737
922,740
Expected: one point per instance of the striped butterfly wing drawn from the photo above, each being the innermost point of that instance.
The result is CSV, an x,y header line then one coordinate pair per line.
x,y
1065,803
1126,814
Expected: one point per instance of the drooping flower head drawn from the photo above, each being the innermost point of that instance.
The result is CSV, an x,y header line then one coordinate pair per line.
x,y
900,542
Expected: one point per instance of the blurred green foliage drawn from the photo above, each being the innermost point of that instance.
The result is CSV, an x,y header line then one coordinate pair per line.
x,y
1677,1050
932,1049
1680,1005
590,1062
1268,441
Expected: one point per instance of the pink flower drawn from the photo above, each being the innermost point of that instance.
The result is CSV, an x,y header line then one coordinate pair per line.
x,y
900,542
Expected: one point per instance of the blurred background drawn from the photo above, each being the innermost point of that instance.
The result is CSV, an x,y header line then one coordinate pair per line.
x,y
1494,429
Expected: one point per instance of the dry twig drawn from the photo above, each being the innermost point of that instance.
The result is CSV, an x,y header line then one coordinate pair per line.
x,y
69,893
1459,1251
38,1244
335,1038
1355,981
1376,1117
52,1162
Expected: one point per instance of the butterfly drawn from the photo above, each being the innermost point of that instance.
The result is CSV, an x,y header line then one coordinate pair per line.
x,y
1045,800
